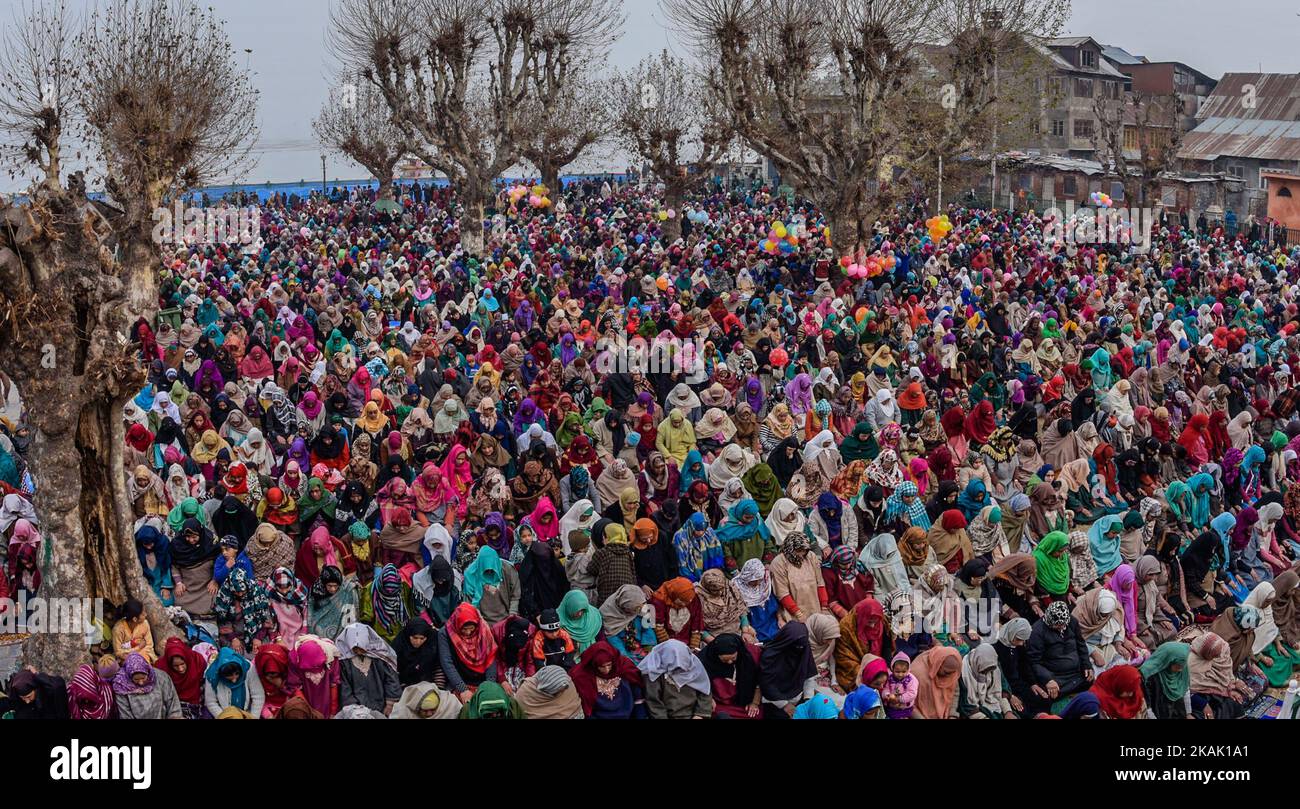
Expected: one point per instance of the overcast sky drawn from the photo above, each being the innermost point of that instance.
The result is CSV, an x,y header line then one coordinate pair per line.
x,y
288,55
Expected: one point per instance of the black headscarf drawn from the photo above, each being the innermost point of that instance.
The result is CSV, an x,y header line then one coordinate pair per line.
x,y
542,582
186,555
234,518
416,665
783,467
744,670
786,663
320,449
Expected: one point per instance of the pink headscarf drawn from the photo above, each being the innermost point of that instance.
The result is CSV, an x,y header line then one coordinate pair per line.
x,y
457,475
1124,585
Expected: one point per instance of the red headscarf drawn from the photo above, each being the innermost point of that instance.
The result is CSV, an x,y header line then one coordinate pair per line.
x,y
189,686
869,623
1111,683
952,421
273,658
584,674
1194,438
478,651
1104,455
980,424
139,437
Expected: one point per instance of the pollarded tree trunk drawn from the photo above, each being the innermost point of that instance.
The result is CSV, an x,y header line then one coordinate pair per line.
x,y
474,200
70,304
674,195
847,235
385,189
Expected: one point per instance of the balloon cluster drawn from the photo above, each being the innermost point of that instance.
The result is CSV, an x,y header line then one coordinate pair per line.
x,y
537,195
873,266
665,215
700,217
939,226
780,239
1101,200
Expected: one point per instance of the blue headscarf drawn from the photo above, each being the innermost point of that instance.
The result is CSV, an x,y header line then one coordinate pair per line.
x,y
973,499
819,707
688,475
484,570
1223,525
239,688
1201,499
1083,706
862,700
733,530
1104,552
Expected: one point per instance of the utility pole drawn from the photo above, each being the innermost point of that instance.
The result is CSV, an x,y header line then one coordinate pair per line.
x,y
322,175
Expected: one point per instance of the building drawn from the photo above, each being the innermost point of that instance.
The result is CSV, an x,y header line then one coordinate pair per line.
x,y
1248,129
1078,76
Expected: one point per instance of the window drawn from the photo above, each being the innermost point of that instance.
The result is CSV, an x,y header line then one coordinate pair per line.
x,y
1111,90
1055,88
1068,186
1130,138
1263,181
1284,192
1058,128
1083,128
1083,88
1117,190
1087,58
1236,171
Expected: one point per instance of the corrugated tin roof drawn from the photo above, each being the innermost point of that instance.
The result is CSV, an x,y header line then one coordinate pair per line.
x,y
1254,115
1120,56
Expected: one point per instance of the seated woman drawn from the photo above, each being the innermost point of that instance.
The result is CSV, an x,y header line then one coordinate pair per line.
x,y
1154,612
1058,657
1119,693
787,672
131,634
1216,691
1275,657
467,650
721,607
938,673
755,586
426,701
367,670
676,683
1101,621
609,684
229,686
1166,682
138,690
155,552
678,613
1015,578
629,626
1013,663
732,666
314,673
417,653
186,668
549,694
332,604
863,632
745,536
272,666
980,692
193,556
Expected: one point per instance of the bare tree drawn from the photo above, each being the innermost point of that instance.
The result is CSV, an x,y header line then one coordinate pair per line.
x,y
356,122
828,90
557,127
164,108
37,72
1137,139
457,73
660,117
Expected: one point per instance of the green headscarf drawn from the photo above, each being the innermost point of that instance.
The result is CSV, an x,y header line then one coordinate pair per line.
x,y
761,483
860,445
570,429
595,411
187,509
490,701
1173,683
582,628
1053,572
484,570
309,507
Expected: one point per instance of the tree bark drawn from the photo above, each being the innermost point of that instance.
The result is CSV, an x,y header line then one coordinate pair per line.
x,y
674,194
385,189
846,230
471,218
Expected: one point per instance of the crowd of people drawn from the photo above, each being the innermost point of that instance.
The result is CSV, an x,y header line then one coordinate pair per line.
x,y
983,475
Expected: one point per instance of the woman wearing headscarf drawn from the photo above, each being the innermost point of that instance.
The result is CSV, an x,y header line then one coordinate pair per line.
x,y
1154,624
796,580
417,653
1237,628
288,600
542,581
1104,543
980,695
194,554
1052,561
787,671
938,672
229,686
1119,693
732,666
138,692
90,696
745,535
1013,663
949,541
426,701
582,621
1166,682
677,686
609,685
1058,656
863,634
492,586
1216,691
368,670
332,604
1275,657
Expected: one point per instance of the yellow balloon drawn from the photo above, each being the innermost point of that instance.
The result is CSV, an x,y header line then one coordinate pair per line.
x,y
780,230
663,215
